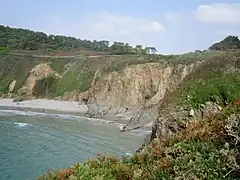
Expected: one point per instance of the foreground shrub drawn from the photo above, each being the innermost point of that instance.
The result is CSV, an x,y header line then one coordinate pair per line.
x,y
207,149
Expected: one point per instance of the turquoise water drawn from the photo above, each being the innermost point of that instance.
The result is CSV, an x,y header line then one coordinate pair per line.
x,y
32,143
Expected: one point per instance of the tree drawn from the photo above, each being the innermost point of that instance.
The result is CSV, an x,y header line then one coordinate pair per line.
x,y
138,49
118,48
153,50
18,38
230,42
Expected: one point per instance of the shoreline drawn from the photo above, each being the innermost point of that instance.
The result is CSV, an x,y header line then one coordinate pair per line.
x,y
46,105
63,108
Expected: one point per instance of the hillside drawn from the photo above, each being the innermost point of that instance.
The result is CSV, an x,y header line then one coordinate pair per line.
x,y
192,100
24,39
229,43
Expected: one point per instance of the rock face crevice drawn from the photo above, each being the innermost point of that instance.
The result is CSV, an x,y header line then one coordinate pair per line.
x,y
135,93
37,80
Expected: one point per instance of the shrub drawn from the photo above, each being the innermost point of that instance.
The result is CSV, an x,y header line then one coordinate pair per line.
x,y
79,81
201,151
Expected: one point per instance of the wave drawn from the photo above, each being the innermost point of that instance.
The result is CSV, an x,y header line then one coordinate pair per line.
x,y
32,113
22,113
22,124
94,121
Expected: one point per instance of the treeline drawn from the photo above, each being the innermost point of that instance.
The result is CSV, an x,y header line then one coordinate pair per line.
x,y
230,42
23,39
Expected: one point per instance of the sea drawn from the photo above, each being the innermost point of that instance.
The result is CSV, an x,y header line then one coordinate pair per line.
x,y
31,143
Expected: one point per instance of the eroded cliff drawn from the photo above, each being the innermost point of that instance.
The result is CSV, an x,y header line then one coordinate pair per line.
x,y
135,93
129,89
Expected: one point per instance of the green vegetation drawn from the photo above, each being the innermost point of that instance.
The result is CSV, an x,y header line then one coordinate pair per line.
x,y
229,43
207,149
222,88
45,87
217,79
77,72
79,81
17,67
23,39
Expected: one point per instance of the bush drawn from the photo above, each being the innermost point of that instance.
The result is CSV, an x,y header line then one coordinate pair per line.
x,y
201,151
45,87
214,86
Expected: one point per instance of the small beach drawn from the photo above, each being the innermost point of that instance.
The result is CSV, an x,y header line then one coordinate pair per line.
x,y
70,109
44,104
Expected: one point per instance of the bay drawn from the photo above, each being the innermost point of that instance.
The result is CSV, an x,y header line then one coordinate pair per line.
x,y
31,143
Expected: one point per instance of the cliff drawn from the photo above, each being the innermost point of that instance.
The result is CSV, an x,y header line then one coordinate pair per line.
x,y
128,88
135,93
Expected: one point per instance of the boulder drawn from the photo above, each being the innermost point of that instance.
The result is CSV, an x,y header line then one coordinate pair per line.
x,y
191,113
12,86
210,109
70,96
83,98
18,99
175,118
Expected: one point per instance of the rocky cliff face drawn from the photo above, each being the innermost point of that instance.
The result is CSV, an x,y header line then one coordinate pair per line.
x,y
35,81
134,94
175,118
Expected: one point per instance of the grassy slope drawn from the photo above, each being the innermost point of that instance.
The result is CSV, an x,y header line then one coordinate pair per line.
x,y
16,65
216,80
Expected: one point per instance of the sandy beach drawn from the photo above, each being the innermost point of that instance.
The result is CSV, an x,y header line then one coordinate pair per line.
x,y
44,104
65,108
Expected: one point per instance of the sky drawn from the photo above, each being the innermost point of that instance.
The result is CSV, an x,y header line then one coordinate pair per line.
x,y
172,26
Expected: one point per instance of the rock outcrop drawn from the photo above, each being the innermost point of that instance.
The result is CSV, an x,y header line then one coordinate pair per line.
x,y
81,97
176,118
136,92
41,71
12,86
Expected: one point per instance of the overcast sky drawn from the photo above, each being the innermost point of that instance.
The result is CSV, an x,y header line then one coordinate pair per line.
x,y
172,26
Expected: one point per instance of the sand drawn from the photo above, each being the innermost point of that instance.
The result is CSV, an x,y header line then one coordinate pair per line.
x,y
55,105
64,107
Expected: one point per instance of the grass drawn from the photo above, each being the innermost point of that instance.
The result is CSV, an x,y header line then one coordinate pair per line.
x,y
78,71
217,79
79,81
202,151
15,67
212,86
4,50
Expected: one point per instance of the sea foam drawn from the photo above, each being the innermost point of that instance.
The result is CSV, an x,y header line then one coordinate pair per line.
x,y
21,125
